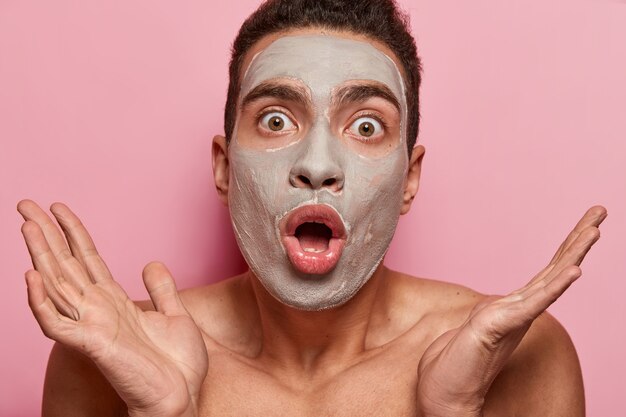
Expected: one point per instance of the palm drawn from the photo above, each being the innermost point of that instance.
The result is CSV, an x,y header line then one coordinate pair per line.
x,y
160,352
155,360
458,368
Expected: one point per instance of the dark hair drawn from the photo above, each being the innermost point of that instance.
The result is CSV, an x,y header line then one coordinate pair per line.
x,y
377,19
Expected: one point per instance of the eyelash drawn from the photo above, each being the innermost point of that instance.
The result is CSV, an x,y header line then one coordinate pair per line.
x,y
260,115
374,115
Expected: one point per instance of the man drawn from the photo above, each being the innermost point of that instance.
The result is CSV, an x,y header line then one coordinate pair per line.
x,y
317,163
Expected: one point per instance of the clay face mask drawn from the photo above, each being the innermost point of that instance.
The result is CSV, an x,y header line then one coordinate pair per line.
x,y
317,166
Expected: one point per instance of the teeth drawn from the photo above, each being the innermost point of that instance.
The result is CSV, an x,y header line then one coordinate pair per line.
x,y
312,250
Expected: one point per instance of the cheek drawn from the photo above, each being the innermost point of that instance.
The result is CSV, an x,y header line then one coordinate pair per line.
x,y
259,179
377,200
380,181
377,180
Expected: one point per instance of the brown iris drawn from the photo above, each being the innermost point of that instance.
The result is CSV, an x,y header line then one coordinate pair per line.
x,y
276,123
366,129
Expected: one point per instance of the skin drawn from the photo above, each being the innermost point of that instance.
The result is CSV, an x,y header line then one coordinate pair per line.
x,y
317,159
401,346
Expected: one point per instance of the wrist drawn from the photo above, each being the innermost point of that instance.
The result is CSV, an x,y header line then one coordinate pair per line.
x,y
187,411
450,409
451,413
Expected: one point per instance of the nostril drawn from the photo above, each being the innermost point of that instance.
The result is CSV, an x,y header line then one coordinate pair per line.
x,y
304,179
315,181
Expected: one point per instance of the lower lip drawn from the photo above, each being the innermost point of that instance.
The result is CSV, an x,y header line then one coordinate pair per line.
x,y
315,263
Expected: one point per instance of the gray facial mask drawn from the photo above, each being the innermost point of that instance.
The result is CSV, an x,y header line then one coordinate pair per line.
x,y
368,197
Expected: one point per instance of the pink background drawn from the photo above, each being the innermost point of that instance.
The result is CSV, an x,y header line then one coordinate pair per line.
x,y
110,106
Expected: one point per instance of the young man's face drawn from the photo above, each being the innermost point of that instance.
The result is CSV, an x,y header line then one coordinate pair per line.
x,y
318,164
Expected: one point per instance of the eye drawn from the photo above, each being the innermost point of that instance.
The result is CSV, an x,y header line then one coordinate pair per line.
x,y
276,122
366,127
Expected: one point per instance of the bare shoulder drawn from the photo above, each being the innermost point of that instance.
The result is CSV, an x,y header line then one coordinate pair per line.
x,y
428,303
542,377
414,311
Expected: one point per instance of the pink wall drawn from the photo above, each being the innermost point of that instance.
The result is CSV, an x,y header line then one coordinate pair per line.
x,y
110,106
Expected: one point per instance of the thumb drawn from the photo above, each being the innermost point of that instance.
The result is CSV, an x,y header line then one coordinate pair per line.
x,y
162,290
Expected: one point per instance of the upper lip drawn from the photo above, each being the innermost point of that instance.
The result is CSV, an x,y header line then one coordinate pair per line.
x,y
313,213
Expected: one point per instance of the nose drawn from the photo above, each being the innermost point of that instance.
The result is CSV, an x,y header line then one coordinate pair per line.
x,y
316,182
318,166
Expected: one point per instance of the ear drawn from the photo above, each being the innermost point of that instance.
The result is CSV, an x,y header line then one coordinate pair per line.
x,y
412,180
219,154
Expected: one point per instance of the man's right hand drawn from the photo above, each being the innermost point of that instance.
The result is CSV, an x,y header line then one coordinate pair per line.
x,y
155,360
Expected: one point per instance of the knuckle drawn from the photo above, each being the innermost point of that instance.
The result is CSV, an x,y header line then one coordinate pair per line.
x,y
72,222
90,252
64,255
41,258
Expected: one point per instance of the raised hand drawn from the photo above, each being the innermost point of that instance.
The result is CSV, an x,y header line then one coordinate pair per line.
x,y
155,360
458,368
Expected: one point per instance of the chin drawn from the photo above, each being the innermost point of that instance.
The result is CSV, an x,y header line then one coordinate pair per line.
x,y
309,292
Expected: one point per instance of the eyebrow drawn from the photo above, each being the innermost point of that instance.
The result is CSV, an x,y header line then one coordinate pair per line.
x,y
358,93
277,90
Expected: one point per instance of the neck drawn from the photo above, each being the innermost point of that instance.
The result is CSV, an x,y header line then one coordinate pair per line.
x,y
311,341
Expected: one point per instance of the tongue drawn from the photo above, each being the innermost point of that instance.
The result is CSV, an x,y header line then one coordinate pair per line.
x,y
313,237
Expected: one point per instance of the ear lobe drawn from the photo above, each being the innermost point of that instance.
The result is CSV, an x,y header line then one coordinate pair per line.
x,y
412,180
219,154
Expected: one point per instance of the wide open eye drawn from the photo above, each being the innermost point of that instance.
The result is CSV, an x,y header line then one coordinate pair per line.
x,y
366,128
276,122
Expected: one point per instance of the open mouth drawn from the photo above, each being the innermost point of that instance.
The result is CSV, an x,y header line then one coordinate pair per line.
x,y
313,237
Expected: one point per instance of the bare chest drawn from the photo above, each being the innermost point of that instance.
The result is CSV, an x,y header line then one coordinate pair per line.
x,y
382,386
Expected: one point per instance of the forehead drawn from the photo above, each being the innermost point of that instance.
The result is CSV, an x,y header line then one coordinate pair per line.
x,y
322,62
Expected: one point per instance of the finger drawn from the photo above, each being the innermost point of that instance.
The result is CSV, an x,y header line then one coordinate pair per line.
x,y
521,308
57,244
31,211
578,249
544,296
52,323
593,217
162,290
62,293
80,242
574,255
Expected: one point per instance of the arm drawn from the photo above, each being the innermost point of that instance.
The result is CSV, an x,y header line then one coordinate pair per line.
x,y
458,369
